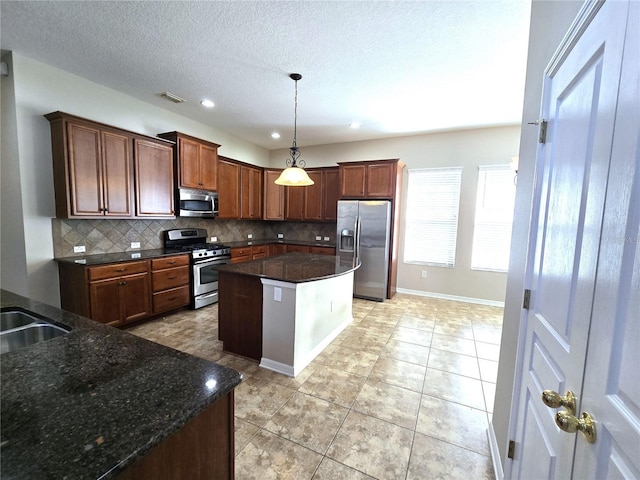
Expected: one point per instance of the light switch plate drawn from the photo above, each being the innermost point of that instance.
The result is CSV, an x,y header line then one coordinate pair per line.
x,y
318,238
250,236
277,294
281,235
214,239
135,244
79,249
326,239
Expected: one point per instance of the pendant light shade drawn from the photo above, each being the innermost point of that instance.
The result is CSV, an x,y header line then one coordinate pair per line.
x,y
294,175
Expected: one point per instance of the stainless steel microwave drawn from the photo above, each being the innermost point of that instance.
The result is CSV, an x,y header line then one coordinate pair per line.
x,y
197,203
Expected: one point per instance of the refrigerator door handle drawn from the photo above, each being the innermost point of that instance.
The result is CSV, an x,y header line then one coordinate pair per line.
x,y
357,239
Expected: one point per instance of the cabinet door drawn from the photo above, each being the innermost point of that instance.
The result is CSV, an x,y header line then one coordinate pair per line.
x,y
116,156
313,197
189,155
331,188
273,196
229,189
250,193
352,180
323,250
85,170
380,180
298,248
154,179
105,301
295,203
277,249
135,297
208,168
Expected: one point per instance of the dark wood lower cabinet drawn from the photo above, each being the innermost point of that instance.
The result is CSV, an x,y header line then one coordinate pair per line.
x,y
201,450
240,314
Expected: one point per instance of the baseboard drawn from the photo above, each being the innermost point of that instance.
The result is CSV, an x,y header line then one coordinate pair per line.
x,y
277,367
455,298
495,453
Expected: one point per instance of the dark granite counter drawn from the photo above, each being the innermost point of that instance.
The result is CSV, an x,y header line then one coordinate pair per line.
x,y
247,243
89,403
103,258
292,267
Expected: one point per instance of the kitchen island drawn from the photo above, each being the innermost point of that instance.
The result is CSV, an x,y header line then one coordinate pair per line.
x,y
283,311
99,402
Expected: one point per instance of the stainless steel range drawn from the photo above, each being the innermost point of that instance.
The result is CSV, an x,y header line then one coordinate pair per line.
x,y
205,257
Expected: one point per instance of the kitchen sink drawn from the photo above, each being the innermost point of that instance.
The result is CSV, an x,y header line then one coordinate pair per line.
x,y
21,328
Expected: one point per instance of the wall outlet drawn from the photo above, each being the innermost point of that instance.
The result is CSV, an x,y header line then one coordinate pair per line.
x,y
277,294
250,236
79,249
326,239
424,274
136,255
135,244
318,238
214,239
281,235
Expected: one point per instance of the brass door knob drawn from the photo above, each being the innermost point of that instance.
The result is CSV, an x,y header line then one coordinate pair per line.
x,y
554,400
571,424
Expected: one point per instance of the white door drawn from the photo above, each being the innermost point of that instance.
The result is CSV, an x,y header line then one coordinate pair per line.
x,y
579,102
611,391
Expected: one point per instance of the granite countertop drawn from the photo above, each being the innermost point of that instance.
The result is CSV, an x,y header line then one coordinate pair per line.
x,y
247,243
292,267
89,403
102,258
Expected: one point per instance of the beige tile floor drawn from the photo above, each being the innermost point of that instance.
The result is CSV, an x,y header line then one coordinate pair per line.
x,y
405,392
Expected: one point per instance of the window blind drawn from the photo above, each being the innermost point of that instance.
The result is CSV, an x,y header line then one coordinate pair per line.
x,y
494,218
433,200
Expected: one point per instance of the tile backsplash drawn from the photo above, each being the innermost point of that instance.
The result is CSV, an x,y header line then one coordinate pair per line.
x,y
111,236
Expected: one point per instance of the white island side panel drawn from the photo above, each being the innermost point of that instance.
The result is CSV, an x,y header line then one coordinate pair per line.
x,y
305,319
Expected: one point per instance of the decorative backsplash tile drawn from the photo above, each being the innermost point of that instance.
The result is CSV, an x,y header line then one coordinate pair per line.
x,y
111,236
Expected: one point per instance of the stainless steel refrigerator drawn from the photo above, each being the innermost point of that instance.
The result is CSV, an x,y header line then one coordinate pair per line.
x,y
364,233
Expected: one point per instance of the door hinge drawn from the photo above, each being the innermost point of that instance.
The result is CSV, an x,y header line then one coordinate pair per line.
x,y
512,449
542,130
526,299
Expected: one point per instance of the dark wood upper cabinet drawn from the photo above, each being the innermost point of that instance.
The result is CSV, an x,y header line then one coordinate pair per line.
x,y
250,193
93,171
273,196
313,196
331,189
229,188
92,168
317,202
370,179
154,179
352,180
196,161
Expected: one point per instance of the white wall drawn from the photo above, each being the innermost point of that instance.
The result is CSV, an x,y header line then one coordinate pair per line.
x,y
39,89
549,22
466,148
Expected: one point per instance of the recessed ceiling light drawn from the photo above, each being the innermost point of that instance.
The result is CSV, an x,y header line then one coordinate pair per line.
x,y
354,125
275,135
207,103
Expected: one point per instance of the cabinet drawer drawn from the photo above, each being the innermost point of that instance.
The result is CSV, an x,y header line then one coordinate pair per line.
x,y
117,270
240,252
170,278
256,249
171,299
243,258
298,248
169,262
323,250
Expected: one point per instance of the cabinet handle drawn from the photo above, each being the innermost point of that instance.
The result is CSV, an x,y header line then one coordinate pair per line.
x,y
172,262
172,278
120,269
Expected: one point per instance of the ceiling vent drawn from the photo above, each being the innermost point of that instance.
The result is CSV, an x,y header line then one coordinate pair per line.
x,y
174,98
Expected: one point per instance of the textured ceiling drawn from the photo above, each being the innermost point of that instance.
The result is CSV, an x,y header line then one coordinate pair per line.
x,y
397,68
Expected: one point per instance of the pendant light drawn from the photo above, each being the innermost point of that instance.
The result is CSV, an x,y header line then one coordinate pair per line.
x,y
294,175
